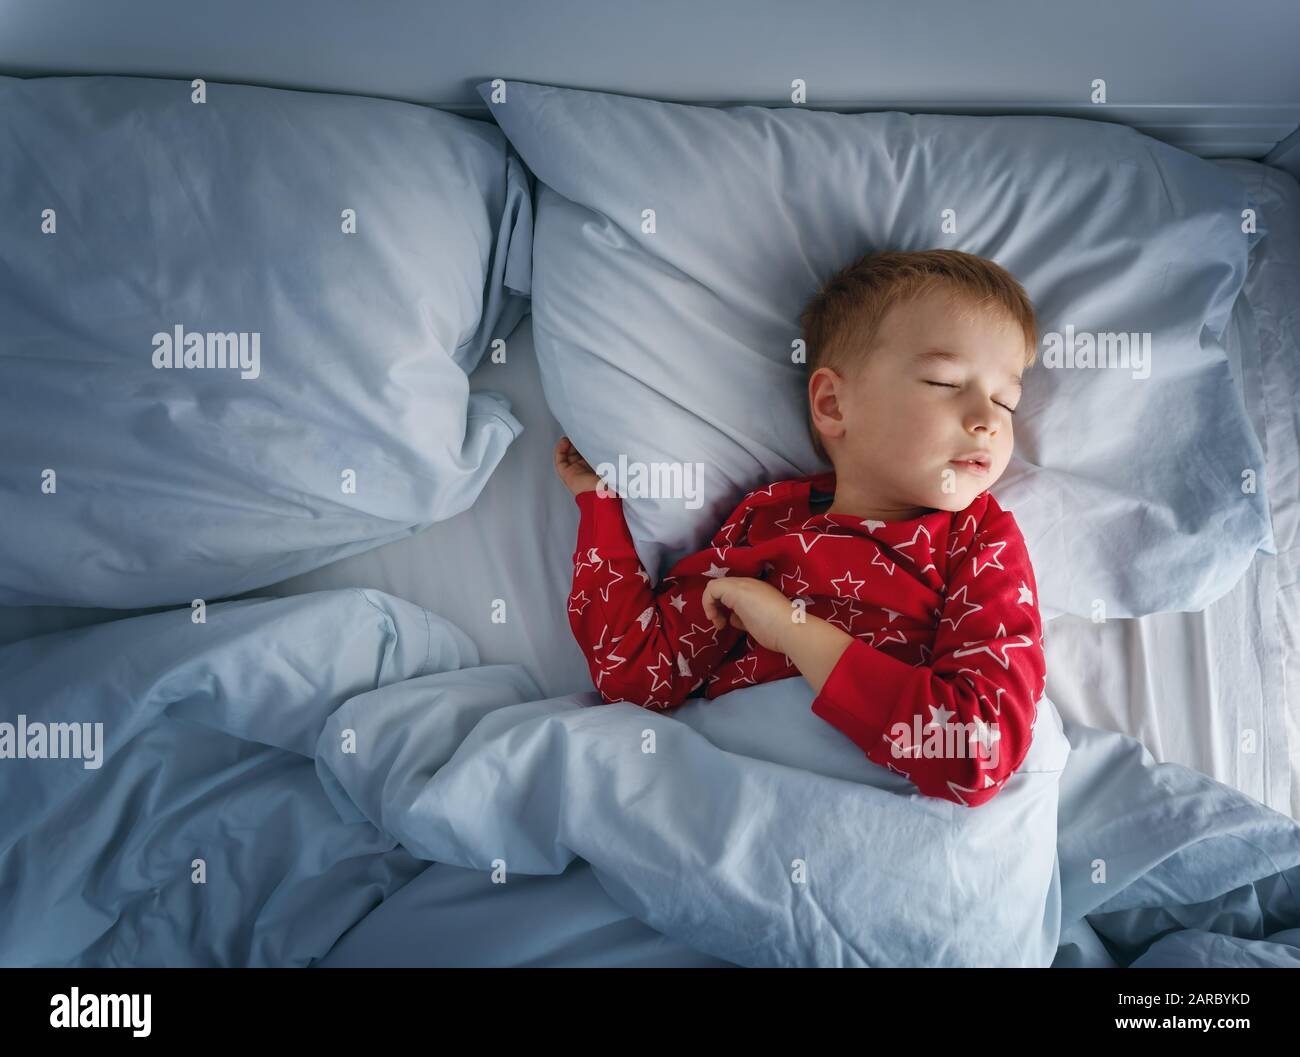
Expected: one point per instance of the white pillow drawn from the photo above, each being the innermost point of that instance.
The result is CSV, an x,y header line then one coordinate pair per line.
x,y
675,346
132,209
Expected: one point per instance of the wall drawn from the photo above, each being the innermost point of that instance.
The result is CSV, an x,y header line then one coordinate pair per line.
x,y
1215,77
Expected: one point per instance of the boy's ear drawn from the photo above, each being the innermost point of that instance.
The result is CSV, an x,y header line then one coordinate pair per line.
x,y
824,388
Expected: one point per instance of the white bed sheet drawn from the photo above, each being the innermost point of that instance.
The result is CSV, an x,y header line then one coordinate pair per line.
x,y
1219,690
1196,688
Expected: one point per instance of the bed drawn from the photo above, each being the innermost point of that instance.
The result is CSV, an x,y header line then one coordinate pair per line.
x,y
1149,685
1245,645
408,876
1183,684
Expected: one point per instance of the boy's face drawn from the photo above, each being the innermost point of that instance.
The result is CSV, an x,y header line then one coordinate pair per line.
x,y
896,429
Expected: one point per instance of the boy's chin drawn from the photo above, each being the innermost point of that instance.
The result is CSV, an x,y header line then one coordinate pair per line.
x,y
954,501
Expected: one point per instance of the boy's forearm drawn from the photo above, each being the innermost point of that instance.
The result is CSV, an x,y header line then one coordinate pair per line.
x,y
814,647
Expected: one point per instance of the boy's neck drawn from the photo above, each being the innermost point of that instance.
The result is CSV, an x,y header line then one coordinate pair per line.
x,y
848,503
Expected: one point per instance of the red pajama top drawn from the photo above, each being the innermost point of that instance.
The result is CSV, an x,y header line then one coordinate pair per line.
x,y
948,640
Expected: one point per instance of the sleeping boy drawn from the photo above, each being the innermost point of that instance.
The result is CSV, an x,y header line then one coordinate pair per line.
x,y
894,583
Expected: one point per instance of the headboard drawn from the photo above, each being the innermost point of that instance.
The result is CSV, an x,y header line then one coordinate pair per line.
x,y
1220,80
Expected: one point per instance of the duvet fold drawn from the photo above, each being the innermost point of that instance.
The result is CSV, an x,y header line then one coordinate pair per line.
x,y
268,778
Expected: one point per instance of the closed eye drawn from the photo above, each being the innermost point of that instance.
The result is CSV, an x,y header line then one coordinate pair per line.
x,y
950,385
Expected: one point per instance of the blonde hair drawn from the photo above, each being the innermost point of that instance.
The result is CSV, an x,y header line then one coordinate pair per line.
x,y
841,321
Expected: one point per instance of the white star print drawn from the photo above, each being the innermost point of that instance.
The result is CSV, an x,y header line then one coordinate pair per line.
x,y
659,681
900,750
784,523
1026,596
607,667
971,607
715,571
953,549
892,636
836,618
683,668
677,602
798,579
879,559
872,524
848,584
593,561
996,706
646,616
604,591
985,735
990,563
1002,632
929,548
939,716
581,596
804,542
746,677
893,614
698,629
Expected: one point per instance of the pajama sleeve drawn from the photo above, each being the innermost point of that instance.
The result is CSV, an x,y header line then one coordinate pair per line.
x,y
649,646
959,727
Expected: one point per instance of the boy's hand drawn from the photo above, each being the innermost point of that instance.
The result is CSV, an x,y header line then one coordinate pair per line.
x,y
574,470
751,605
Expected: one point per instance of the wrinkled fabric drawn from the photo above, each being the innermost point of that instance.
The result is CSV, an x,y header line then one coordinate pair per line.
x,y
200,232
276,775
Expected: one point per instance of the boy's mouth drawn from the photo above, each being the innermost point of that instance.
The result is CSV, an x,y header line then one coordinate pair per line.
x,y
976,462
